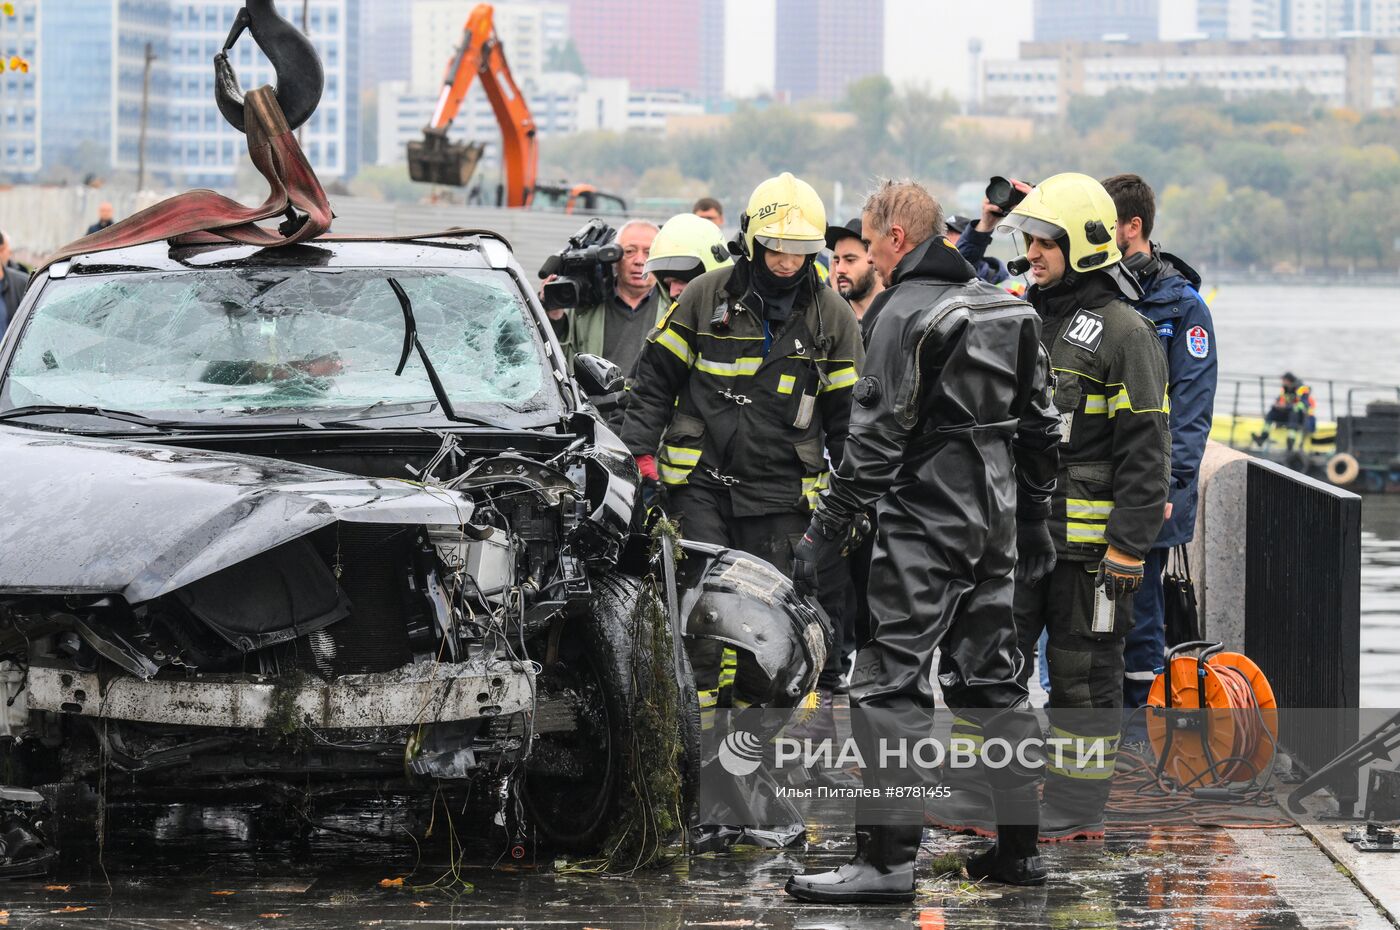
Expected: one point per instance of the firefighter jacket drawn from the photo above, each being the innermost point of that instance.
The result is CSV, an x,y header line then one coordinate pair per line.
x,y
952,426
1173,304
1111,394
724,398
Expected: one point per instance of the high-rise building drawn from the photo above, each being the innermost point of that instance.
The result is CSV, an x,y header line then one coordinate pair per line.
x,y
91,64
1092,20
1312,19
1239,19
19,107
386,32
94,60
822,46
663,45
1319,19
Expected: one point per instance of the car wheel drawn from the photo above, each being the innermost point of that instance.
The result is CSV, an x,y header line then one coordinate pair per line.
x,y
575,783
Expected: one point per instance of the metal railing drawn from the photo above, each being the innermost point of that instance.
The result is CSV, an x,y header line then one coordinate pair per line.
x,y
1303,607
1253,396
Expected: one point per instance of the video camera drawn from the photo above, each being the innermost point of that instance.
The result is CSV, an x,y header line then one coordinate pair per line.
x,y
585,269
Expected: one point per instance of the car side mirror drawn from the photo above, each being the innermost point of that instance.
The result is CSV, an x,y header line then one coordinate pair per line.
x,y
597,376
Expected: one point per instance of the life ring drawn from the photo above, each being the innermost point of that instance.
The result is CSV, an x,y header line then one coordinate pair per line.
x,y
1343,469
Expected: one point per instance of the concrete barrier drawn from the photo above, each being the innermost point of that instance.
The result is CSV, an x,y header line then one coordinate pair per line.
x,y
1218,550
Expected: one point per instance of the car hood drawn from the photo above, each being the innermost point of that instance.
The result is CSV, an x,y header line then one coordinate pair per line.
x,y
86,515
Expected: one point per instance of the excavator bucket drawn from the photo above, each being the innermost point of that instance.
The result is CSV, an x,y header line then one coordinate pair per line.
x,y
437,160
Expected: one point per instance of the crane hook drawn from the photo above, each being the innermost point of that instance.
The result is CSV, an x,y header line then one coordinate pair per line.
x,y
300,78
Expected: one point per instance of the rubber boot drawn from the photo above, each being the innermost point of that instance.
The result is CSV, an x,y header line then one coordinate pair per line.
x,y
1073,808
966,807
1013,860
881,872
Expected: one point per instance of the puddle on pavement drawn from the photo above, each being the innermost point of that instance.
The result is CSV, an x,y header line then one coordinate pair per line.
x,y
236,865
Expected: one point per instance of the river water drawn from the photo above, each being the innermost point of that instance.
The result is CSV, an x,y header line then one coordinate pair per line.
x,y
1332,334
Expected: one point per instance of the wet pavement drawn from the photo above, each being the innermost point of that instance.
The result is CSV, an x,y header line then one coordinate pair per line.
x,y
184,866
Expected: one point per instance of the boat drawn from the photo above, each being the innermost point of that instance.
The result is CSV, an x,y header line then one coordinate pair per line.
x,y
1354,443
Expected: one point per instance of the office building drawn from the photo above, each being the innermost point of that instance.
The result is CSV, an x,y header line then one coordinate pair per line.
x,y
206,150
1363,74
1093,20
91,67
19,107
823,46
1239,19
560,103
656,45
80,111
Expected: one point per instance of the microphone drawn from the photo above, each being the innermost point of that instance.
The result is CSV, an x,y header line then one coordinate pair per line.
x,y
1018,266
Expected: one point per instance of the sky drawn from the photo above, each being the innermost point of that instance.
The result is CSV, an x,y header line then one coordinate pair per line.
x,y
925,40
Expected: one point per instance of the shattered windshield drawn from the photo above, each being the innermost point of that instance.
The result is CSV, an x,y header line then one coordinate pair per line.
x,y
262,341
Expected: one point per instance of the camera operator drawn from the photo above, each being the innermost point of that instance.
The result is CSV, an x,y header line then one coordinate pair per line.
x,y
1003,194
616,326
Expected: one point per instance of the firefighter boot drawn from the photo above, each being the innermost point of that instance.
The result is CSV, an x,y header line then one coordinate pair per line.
x,y
1076,792
964,805
881,872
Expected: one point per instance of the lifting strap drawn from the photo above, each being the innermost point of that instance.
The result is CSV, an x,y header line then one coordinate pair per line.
x,y
203,216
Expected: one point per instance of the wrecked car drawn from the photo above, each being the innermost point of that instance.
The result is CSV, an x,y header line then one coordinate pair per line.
x,y
337,514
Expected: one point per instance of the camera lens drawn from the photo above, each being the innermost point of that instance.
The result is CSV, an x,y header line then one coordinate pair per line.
x,y
1003,195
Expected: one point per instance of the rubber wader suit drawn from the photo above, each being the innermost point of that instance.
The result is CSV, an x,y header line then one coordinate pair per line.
x,y
952,441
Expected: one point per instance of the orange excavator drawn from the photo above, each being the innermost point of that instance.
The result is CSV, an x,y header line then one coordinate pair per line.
x,y
437,160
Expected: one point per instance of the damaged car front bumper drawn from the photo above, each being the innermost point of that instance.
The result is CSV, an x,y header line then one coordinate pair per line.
x,y
428,692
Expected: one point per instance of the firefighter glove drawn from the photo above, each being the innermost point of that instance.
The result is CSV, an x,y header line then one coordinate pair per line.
x,y
651,481
646,464
1119,573
816,553
1035,551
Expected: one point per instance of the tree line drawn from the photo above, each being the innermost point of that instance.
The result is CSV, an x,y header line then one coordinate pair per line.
x,y
1272,183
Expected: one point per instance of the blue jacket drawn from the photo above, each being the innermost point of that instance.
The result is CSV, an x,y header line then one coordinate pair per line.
x,y
1173,304
973,247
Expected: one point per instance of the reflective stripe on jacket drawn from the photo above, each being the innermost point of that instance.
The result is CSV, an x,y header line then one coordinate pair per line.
x,y
1115,443
740,403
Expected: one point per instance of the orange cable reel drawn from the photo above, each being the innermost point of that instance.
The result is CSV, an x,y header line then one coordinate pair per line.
x,y
1234,739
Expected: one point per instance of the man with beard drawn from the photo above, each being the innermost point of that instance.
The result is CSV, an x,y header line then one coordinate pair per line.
x,y
853,274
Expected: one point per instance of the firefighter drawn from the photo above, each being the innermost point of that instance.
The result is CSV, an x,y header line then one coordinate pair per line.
x,y
1110,499
742,395
743,392
685,248
953,442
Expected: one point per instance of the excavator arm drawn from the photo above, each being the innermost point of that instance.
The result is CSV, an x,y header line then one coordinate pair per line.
x,y
436,160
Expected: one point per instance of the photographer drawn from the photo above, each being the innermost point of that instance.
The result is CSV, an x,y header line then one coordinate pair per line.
x,y
616,327
1003,194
